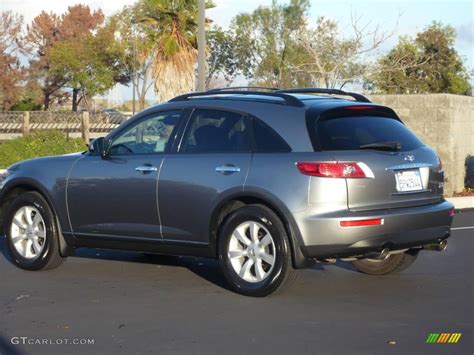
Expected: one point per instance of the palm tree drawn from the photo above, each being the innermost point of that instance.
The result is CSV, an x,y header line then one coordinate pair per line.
x,y
173,25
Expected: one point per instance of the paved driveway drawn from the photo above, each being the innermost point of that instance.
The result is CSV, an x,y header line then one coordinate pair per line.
x,y
130,303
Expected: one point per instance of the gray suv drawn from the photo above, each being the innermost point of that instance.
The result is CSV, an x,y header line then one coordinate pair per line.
x,y
266,181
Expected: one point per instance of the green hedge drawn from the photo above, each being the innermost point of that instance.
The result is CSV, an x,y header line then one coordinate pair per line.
x,y
38,144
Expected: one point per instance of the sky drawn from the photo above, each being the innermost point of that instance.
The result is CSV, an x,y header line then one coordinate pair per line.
x,y
412,16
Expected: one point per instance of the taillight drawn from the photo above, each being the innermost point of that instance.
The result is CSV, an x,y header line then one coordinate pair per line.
x,y
452,212
362,222
351,170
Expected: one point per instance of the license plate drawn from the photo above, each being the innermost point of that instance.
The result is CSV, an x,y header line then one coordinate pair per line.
x,y
408,180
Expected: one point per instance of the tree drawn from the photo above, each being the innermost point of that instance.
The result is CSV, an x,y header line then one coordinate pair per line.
x,y
398,70
173,26
41,35
29,100
44,33
138,44
438,69
266,47
91,63
221,62
335,61
11,71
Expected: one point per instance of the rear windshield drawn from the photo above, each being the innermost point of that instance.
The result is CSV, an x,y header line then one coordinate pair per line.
x,y
350,133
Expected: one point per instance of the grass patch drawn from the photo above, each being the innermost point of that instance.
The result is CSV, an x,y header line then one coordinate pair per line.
x,y
38,144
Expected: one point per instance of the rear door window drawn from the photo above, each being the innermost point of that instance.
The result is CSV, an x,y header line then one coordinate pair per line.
x,y
350,133
266,139
215,131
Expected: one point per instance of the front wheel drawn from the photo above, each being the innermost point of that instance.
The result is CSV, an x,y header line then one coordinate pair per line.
x,y
254,252
32,234
392,263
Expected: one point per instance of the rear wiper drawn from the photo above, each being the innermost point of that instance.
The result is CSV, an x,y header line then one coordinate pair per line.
x,y
390,146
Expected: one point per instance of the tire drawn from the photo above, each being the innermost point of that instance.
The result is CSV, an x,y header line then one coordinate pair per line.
x,y
270,268
393,263
23,251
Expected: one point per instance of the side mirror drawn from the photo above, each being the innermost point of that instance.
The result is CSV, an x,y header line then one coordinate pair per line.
x,y
98,146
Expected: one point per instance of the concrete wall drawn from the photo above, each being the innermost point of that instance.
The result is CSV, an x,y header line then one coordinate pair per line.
x,y
444,122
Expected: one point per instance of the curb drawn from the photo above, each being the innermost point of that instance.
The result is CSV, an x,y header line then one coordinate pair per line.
x,y
462,203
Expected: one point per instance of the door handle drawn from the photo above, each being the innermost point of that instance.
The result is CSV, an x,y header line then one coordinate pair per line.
x,y
146,169
227,169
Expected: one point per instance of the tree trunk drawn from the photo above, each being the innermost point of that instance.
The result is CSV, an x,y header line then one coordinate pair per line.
x,y
322,82
85,126
141,93
75,103
46,101
142,100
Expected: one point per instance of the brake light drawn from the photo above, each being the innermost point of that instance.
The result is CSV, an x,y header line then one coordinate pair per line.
x,y
362,222
452,212
352,170
360,107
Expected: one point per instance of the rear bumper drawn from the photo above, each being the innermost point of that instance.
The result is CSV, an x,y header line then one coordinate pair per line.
x,y
323,237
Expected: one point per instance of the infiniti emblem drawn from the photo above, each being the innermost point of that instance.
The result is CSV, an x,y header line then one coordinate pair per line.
x,y
409,157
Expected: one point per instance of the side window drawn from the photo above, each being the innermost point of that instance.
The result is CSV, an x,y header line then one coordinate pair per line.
x,y
216,131
149,136
266,139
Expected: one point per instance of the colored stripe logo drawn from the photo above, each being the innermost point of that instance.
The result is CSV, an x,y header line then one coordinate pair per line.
x,y
443,338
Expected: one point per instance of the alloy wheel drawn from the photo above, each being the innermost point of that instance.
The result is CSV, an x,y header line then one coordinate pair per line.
x,y
28,232
251,251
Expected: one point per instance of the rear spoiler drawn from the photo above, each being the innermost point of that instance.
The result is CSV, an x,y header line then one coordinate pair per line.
x,y
358,110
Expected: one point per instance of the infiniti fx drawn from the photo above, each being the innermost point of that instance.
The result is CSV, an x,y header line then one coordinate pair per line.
x,y
266,181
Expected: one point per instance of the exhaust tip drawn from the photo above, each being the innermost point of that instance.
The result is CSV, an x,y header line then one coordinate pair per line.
x,y
376,255
384,254
440,246
443,245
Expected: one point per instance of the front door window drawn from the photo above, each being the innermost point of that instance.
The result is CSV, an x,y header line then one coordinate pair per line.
x,y
148,136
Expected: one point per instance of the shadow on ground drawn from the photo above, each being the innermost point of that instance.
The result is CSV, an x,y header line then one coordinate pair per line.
x,y
208,269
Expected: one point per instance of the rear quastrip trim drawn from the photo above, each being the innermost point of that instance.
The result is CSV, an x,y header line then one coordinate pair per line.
x,y
409,166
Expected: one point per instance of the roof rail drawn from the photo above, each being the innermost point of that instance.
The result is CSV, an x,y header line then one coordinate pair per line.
x,y
357,97
289,99
244,87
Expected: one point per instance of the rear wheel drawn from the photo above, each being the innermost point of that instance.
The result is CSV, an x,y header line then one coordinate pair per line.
x,y
254,252
32,235
392,263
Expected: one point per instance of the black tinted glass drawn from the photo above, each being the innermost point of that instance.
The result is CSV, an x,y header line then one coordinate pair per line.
x,y
266,139
350,133
216,131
